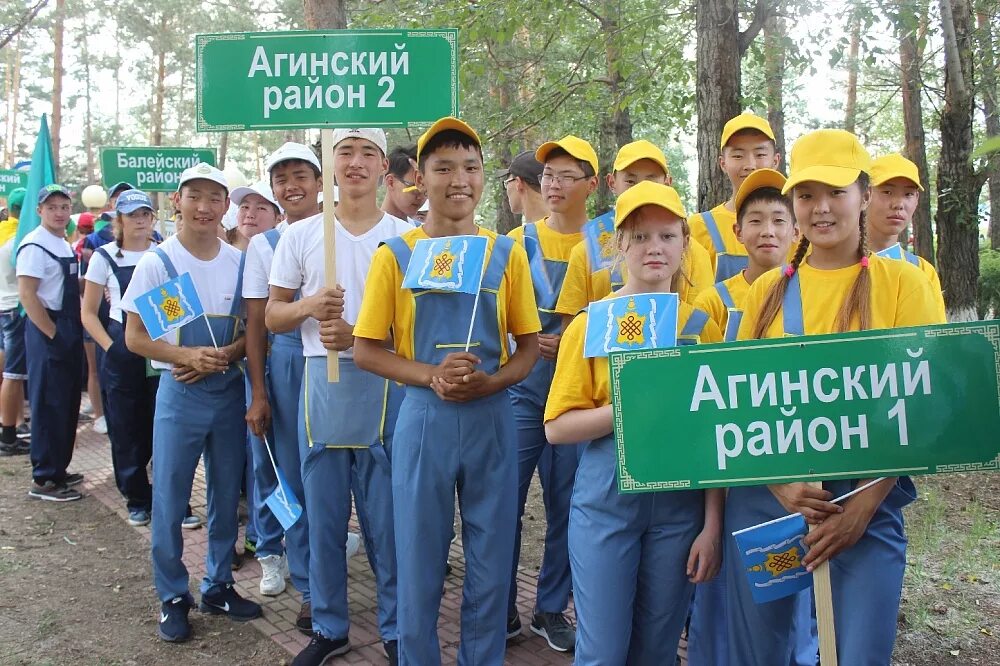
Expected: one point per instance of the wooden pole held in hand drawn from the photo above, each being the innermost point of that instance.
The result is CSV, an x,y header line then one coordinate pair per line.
x,y
823,595
329,239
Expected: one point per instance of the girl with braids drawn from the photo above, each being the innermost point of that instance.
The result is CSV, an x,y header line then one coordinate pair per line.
x,y
832,285
635,558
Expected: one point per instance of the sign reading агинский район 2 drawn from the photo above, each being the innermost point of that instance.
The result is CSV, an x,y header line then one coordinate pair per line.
x,y
891,402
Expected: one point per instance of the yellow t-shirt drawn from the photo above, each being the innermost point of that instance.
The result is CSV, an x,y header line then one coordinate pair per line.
x,y
583,383
901,296
711,302
935,281
8,229
724,220
583,286
386,305
556,246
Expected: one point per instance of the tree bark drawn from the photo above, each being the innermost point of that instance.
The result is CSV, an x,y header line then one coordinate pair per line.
x,y
915,150
13,102
616,125
223,148
505,150
160,90
325,14
957,228
57,77
990,91
851,106
774,76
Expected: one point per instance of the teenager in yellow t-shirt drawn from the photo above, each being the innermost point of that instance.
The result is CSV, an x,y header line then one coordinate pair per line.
x,y
455,428
586,281
747,144
839,287
634,557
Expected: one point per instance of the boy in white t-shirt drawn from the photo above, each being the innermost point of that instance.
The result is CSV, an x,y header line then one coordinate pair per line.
x,y
345,428
199,403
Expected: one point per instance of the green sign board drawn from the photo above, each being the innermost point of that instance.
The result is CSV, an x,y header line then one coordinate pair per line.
x,y
152,169
336,78
11,180
877,403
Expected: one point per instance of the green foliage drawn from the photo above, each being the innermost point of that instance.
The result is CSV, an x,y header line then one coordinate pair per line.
x,y
989,284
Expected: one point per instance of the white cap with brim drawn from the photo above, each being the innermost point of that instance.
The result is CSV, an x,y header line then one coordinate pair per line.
x,y
260,188
370,134
292,151
203,171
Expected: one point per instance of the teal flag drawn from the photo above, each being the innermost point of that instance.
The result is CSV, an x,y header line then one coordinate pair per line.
x,y
43,172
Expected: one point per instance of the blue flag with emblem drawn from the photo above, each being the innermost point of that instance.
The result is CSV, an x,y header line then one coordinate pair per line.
x,y
628,323
168,307
544,293
772,555
283,503
892,252
452,263
599,234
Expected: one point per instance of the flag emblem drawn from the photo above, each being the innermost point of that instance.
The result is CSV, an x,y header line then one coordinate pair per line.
x,y
628,323
444,263
630,327
171,306
779,563
452,263
599,235
772,555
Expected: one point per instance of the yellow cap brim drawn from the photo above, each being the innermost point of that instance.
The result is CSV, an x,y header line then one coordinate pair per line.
x,y
623,163
442,125
833,176
542,153
886,177
756,180
411,188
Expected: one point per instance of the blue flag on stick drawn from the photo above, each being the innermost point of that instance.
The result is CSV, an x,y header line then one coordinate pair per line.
x,y
168,307
41,173
283,503
892,252
452,263
772,555
544,293
627,323
599,234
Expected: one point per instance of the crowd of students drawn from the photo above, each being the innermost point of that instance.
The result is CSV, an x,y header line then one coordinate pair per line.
x,y
415,420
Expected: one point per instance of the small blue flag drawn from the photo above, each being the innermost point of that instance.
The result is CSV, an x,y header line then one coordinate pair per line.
x,y
168,307
627,323
892,252
599,234
772,555
452,263
283,503
544,293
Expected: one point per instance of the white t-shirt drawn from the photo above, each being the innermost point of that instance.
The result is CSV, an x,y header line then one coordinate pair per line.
x,y
99,271
257,270
215,280
33,262
299,264
9,297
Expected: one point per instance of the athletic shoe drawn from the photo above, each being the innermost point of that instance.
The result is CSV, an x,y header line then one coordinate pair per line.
x,y
23,431
138,518
320,649
53,492
18,448
191,522
226,601
555,629
513,627
72,478
174,626
304,620
353,544
272,580
101,426
391,649
249,546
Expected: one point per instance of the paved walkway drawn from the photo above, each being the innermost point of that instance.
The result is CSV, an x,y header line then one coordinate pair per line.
x,y
93,459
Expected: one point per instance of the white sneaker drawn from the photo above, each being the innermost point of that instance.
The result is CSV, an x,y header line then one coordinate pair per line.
x,y
101,426
272,579
353,544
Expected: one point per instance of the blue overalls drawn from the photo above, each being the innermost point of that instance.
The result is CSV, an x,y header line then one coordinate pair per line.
x,y
556,464
726,265
867,578
129,406
55,367
735,314
441,446
204,419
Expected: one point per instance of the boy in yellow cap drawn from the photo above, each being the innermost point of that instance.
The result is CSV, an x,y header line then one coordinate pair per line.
x,y
896,192
587,280
455,428
569,176
747,144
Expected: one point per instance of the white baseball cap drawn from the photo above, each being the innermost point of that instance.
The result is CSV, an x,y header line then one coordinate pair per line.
x,y
229,219
260,187
373,134
292,151
203,171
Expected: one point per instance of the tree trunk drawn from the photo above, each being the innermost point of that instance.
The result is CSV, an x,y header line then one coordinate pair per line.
x,y
13,99
774,76
957,228
990,91
223,147
325,14
57,78
717,91
505,148
851,106
616,125
88,136
161,75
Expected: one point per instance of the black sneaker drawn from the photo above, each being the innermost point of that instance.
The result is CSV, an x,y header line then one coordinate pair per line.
x,y
174,626
226,601
513,627
53,492
17,448
391,652
23,431
72,478
555,629
320,649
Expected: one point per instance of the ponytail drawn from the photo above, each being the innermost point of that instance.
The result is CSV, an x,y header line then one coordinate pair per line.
x,y
776,296
119,228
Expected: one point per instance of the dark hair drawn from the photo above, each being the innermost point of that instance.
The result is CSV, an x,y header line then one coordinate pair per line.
x,y
448,139
295,161
588,171
764,195
747,131
399,160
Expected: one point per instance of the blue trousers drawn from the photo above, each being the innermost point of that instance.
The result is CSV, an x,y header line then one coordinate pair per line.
x,y
867,581
195,420
629,557
441,447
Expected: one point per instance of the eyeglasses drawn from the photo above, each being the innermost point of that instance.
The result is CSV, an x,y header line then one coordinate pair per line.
x,y
562,180
510,180
405,182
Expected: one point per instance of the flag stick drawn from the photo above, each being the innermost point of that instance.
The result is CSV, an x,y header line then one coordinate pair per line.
x,y
211,334
823,594
475,306
267,445
329,239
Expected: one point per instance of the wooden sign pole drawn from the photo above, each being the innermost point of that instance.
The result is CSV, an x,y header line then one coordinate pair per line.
x,y
329,238
823,594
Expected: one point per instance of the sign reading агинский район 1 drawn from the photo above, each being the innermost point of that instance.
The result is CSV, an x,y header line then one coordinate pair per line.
x,y
858,405
335,78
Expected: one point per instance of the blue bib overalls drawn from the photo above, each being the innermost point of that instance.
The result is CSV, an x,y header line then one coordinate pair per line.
x,y
726,265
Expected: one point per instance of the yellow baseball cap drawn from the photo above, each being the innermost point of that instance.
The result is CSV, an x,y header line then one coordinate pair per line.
x,y
631,153
441,125
648,193
756,180
830,156
892,166
745,121
574,145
